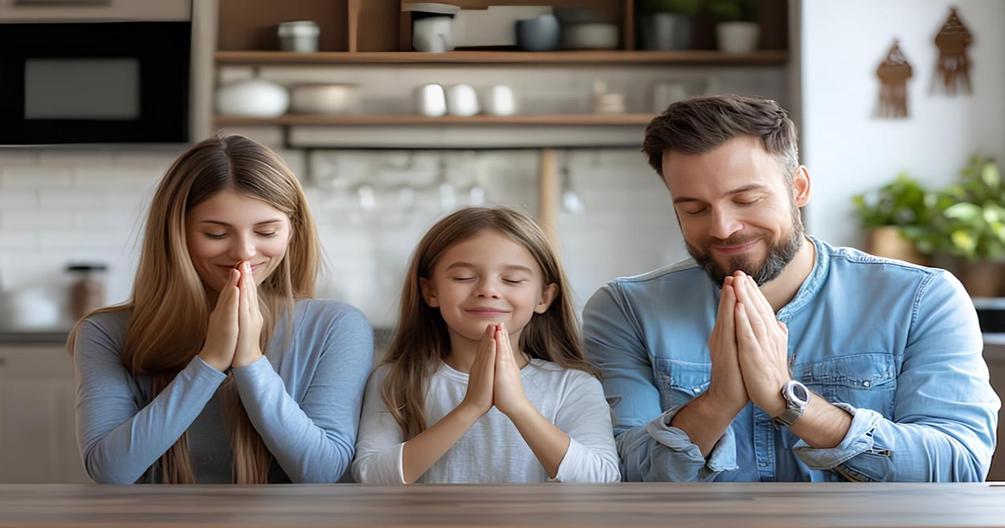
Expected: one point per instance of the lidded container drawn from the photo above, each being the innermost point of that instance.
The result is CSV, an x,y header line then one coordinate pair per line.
x,y
299,35
87,292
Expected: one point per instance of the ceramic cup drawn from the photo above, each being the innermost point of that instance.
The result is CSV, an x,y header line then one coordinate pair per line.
x,y
462,100
498,100
431,100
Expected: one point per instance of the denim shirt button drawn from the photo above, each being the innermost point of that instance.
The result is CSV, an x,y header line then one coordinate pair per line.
x,y
867,384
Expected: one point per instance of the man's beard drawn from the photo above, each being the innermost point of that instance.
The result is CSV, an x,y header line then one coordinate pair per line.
x,y
779,255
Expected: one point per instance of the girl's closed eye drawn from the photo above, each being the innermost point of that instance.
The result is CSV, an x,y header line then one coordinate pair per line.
x,y
215,236
514,280
268,234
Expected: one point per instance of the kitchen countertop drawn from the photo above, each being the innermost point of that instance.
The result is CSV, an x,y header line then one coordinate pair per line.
x,y
50,336
752,505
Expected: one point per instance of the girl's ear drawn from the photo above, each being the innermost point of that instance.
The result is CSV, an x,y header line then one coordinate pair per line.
x,y
428,289
547,296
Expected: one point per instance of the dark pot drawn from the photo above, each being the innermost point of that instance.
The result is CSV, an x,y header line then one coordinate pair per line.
x,y
665,31
538,34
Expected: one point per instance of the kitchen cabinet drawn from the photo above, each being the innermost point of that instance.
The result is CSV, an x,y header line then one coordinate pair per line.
x,y
376,33
38,441
994,354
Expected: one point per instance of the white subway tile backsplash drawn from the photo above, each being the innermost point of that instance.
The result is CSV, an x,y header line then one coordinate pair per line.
x,y
18,239
37,176
75,158
38,218
141,159
119,177
103,217
91,239
12,157
18,199
71,198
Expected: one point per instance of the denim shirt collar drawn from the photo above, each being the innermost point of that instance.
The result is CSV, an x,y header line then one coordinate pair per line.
x,y
813,283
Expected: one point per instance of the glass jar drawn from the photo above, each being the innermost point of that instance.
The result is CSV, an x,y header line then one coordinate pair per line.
x,y
87,292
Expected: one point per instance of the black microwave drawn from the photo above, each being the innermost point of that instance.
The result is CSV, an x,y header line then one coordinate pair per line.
x,y
120,81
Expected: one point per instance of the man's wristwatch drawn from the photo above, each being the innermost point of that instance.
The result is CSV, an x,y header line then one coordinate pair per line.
x,y
797,397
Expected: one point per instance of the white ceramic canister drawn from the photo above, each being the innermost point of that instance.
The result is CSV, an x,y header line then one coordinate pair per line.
x,y
430,100
462,100
498,100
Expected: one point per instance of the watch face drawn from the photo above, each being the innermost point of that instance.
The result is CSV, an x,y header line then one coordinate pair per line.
x,y
799,392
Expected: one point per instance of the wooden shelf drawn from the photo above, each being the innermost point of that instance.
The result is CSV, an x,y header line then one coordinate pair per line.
x,y
696,57
417,120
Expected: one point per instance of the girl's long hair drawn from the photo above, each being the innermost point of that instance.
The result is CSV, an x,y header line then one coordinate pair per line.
x,y
169,309
421,340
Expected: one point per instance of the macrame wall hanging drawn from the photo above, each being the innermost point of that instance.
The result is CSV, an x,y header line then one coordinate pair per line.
x,y
953,66
893,74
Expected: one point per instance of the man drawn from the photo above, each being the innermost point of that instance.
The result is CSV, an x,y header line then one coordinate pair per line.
x,y
773,356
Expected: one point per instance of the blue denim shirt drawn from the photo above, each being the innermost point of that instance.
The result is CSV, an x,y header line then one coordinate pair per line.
x,y
896,345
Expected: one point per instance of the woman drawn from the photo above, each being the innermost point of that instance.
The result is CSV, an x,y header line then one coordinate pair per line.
x,y
221,368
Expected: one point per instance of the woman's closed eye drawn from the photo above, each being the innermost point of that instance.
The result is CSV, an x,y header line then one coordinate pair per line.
x,y
215,236
269,234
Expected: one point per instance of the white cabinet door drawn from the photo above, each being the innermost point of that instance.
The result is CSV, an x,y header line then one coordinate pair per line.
x,y
38,442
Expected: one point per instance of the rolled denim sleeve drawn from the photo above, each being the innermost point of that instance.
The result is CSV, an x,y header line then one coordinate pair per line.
x,y
649,450
945,411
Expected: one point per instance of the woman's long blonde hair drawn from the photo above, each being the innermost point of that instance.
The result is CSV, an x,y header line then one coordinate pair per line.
x,y
421,340
169,309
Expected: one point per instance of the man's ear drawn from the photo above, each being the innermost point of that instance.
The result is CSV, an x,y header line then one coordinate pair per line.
x,y
801,188
428,289
547,296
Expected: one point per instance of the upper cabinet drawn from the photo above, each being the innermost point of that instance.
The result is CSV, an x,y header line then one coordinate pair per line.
x,y
380,31
597,82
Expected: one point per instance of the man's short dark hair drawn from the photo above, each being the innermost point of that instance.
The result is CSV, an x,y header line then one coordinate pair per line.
x,y
700,124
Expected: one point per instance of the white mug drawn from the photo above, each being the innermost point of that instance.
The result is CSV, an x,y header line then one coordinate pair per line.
x,y
431,100
462,100
433,34
498,100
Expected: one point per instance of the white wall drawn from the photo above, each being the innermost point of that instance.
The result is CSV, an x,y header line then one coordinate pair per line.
x,y
847,149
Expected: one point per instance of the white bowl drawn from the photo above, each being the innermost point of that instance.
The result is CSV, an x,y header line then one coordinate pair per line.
x,y
253,98
323,98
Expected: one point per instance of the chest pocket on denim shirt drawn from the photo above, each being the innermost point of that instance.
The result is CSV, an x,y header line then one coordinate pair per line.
x,y
680,381
860,380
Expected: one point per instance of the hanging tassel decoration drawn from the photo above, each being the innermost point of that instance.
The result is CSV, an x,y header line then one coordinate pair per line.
x,y
953,65
893,74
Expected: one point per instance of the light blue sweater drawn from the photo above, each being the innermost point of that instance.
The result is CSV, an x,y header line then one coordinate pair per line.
x,y
303,398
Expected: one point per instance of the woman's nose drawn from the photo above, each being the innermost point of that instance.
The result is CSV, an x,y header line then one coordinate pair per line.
x,y
243,248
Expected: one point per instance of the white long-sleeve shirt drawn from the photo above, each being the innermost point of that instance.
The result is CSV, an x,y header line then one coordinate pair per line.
x,y
492,450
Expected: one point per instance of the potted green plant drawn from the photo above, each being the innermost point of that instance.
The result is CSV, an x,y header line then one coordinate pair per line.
x,y
897,216
737,30
667,24
970,226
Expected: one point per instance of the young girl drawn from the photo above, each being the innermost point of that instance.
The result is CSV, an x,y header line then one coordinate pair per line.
x,y
485,379
173,385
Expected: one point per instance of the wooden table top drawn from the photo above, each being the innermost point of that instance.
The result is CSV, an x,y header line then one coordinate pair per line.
x,y
552,505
